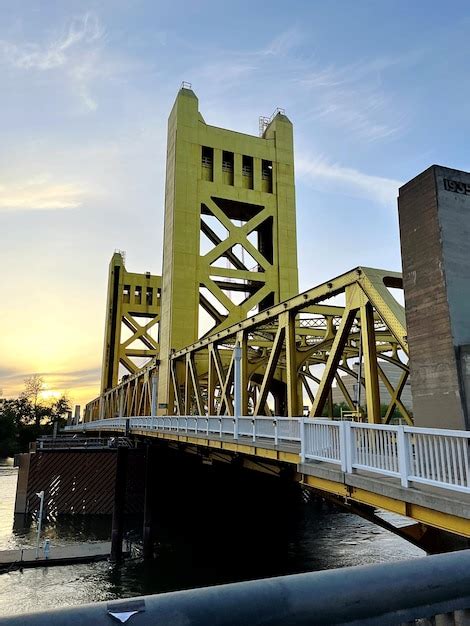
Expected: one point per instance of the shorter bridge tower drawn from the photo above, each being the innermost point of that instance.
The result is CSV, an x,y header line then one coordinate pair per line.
x,y
132,318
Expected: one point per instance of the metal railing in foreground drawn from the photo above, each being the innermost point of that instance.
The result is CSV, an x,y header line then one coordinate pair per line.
x,y
430,456
391,593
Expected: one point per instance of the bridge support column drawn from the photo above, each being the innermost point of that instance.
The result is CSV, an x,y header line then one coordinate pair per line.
x,y
117,530
148,505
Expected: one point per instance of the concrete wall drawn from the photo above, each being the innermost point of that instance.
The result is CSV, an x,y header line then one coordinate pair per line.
x,y
434,214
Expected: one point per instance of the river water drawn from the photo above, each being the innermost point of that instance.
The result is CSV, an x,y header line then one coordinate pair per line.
x,y
248,529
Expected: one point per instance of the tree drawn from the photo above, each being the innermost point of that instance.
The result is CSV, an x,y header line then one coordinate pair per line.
x,y
8,429
32,390
24,419
58,410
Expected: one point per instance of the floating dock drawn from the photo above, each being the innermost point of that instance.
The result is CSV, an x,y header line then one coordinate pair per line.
x,y
60,555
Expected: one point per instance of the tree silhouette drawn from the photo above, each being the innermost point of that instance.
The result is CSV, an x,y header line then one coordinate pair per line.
x,y
32,390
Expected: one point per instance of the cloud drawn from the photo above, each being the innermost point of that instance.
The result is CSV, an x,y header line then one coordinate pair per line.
x,y
74,52
55,53
40,194
80,385
282,43
347,180
353,97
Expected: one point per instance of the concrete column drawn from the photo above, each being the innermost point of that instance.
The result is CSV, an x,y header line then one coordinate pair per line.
x,y
434,215
117,531
148,505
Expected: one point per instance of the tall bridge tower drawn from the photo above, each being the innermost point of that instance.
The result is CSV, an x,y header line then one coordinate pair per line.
x,y
230,245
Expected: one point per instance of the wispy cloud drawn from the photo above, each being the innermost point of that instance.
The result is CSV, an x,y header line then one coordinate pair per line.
x,y
282,43
40,193
55,53
240,67
347,180
74,52
353,97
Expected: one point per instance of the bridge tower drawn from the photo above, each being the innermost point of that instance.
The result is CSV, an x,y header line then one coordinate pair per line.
x,y
133,303
230,245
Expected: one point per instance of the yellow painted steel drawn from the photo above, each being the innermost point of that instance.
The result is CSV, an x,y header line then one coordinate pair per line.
x,y
282,348
235,193
131,298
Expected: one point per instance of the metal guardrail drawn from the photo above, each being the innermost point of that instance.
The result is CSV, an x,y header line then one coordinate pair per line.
x,y
429,456
391,593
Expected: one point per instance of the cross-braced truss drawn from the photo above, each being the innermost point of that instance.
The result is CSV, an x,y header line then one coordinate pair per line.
x,y
132,319
293,354
237,273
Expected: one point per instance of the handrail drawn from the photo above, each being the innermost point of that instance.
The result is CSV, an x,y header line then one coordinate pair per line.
x,y
422,589
429,456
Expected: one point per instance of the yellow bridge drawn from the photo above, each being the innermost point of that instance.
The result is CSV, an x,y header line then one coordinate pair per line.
x,y
222,356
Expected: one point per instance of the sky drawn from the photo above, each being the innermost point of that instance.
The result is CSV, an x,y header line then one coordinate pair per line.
x,y
377,92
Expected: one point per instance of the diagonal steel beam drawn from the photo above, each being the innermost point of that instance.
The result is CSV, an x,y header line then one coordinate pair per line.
x,y
333,360
270,369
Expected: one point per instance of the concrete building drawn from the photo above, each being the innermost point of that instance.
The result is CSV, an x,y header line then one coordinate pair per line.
x,y
434,214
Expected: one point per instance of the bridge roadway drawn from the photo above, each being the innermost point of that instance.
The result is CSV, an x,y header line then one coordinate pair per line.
x,y
421,474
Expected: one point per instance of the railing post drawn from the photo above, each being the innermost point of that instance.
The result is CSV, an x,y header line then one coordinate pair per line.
x,y
276,434
153,411
121,402
235,428
344,434
302,440
207,419
349,450
403,456
253,422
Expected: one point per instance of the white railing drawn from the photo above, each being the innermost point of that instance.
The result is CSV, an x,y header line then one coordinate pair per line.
x,y
435,457
374,449
116,422
321,441
439,457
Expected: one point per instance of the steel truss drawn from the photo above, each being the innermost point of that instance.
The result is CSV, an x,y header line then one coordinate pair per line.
x,y
292,355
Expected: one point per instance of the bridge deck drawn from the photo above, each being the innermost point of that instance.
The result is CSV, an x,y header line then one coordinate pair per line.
x,y
429,504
